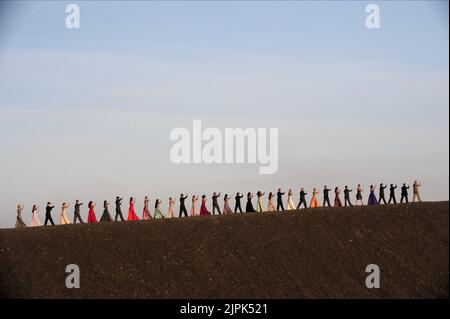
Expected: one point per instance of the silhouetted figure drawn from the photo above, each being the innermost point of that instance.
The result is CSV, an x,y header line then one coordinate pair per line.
x,y
215,203
347,196
249,208
381,193
118,209
326,196
280,200
359,191
77,213
404,194
106,217
416,192
48,215
183,209
302,200
237,205
392,194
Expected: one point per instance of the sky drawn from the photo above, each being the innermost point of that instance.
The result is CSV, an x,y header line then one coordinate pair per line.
x,y
87,113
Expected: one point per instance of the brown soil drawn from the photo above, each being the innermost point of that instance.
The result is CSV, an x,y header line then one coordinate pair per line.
x,y
312,253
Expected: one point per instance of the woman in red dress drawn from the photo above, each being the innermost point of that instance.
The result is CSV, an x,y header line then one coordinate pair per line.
x,y
131,213
203,210
91,217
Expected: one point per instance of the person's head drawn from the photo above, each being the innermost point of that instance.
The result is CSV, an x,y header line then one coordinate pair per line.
x,y
346,186
279,189
146,197
238,194
48,203
404,184
170,198
249,194
336,189
415,182
371,186
302,189
18,206
214,193
105,202
392,185
90,204
381,184
182,195
359,185
325,186
34,207
131,199
203,196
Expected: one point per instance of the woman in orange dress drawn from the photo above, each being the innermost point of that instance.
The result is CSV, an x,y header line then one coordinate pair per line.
x,y
314,199
131,213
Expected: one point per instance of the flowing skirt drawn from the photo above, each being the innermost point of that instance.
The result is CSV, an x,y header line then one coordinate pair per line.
x,y
226,208
249,208
158,213
271,206
170,212
314,202
204,211
132,214
64,219
194,210
337,202
91,217
260,206
146,215
35,220
372,199
290,205
106,217
20,223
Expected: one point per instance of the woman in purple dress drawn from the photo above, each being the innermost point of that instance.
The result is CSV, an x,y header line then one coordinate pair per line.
x,y
372,198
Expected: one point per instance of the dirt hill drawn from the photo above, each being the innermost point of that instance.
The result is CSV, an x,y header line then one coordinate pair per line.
x,y
311,253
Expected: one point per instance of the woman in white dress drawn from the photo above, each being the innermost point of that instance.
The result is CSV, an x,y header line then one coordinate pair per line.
x,y
158,213
270,205
226,206
19,221
290,204
64,218
260,206
35,216
194,209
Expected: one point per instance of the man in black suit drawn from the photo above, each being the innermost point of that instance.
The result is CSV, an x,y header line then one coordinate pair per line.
x,y
76,213
404,193
237,205
326,197
280,200
392,194
302,200
183,209
48,215
215,203
347,196
381,197
118,209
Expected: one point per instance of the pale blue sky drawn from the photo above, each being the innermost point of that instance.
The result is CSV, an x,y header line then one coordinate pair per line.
x,y
87,113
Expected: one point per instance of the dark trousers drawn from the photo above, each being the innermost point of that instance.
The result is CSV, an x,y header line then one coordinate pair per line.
x,y
280,205
237,207
302,202
405,197
216,206
326,201
48,218
77,216
119,214
347,201
183,210
382,199
392,198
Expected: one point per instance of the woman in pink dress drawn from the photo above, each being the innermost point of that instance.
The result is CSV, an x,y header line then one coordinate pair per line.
x,y
131,213
203,210
171,204
194,209
337,198
35,216
146,215
91,216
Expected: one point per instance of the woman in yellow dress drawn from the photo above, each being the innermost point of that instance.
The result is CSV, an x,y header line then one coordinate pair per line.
x,y
259,205
314,199
290,204
64,218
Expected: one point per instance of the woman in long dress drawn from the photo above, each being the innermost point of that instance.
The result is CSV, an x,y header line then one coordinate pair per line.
x,y
359,191
35,216
314,199
194,209
226,205
249,207
372,197
91,215
259,204
270,205
337,197
131,212
106,216
203,210
64,218
170,210
158,213
146,215
19,221
290,204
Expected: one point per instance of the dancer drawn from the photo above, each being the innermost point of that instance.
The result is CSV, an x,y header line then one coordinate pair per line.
x,y
326,197
290,203
237,205
119,209
404,194
372,198
347,196
158,213
259,204
131,212
76,212
392,194
91,215
146,215
226,205
19,221
194,209
106,216
64,218
183,209
249,207
337,198
280,200
359,191
381,194
203,210
314,200
215,203
270,205
35,216
170,210
48,215
302,200
416,192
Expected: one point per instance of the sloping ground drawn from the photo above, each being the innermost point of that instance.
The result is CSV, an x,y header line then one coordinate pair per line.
x,y
312,253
